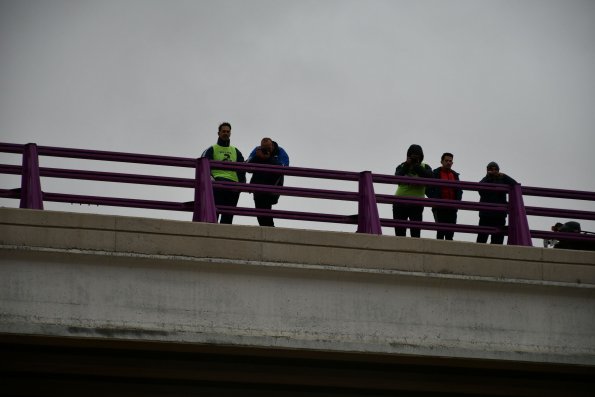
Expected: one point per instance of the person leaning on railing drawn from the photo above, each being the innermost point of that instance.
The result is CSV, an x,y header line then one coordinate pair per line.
x,y
565,243
223,151
493,218
269,152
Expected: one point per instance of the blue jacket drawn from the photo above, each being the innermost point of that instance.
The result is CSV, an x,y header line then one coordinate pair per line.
x,y
278,157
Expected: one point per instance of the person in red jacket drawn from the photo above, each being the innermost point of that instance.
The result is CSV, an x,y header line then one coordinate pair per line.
x,y
445,215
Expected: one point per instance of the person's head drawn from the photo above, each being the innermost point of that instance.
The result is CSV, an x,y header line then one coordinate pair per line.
x,y
446,160
415,153
266,144
493,168
224,131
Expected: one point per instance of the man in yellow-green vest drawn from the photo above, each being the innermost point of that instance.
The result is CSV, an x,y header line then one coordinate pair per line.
x,y
223,151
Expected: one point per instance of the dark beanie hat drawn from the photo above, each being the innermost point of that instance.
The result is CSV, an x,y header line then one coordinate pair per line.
x,y
493,164
415,149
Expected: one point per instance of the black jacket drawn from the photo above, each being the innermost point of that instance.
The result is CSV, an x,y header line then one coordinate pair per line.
x,y
436,191
494,197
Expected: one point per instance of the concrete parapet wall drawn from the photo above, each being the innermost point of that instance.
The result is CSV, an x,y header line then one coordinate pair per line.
x,y
68,274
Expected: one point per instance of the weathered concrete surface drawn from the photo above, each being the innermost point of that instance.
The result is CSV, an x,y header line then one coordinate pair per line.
x,y
69,274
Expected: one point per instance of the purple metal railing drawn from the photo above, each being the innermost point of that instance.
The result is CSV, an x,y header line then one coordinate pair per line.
x,y
368,218
204,201
30,182
204,210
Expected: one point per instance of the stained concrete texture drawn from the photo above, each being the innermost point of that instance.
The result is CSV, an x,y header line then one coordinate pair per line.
x,y
66,274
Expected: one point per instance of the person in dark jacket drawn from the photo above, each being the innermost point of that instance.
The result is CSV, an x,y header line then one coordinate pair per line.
x,y
223,151
269,152
565,243
493,218
413,166
445,215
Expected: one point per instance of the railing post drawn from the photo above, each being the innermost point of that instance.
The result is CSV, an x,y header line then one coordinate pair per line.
x,y
204,200
31,196
368,220
518,226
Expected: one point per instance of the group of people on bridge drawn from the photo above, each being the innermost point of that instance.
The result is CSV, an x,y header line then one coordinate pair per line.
x,y
414,166
269,152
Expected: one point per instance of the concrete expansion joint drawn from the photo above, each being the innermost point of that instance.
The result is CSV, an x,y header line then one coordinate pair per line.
x,y
301,266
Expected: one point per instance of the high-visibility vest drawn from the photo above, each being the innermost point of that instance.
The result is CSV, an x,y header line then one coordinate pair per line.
x,y
411,190
225,153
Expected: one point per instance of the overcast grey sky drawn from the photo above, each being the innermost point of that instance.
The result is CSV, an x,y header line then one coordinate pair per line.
x,y
340,84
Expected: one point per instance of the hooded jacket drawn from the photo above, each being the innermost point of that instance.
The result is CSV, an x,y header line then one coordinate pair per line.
x,y
421,170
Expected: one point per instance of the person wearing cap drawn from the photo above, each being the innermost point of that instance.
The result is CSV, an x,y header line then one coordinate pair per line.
x,y
493,218
413,166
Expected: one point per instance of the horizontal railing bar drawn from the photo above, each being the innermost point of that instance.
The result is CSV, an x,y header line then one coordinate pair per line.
x,y
287,191
294,215
289,171
442,226
116,177
117,202
11,148
548,235
465,185
116,156
427,202
558,193
11,169
10,193
562,213
352,219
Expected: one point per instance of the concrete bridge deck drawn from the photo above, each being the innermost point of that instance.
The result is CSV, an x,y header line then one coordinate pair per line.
x,y
413,315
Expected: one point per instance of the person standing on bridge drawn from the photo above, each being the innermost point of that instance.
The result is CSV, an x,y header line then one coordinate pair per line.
x,y
493,218
269,152
413,167
445,215
223,151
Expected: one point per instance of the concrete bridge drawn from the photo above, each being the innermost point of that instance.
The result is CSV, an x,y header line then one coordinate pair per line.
x,y
95,304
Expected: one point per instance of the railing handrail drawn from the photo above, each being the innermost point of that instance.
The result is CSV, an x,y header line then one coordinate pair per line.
x,y
289,171
516,230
